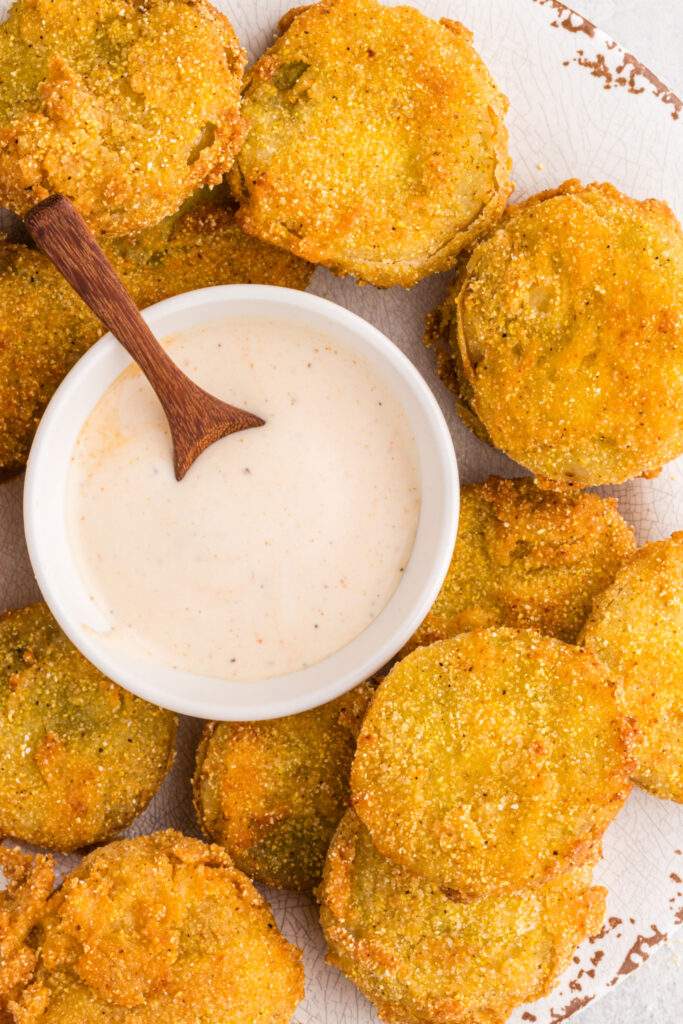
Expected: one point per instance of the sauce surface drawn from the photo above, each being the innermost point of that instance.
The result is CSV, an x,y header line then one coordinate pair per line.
x,y
282,543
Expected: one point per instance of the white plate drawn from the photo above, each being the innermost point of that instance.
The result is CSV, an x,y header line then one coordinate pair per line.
x,y
564,122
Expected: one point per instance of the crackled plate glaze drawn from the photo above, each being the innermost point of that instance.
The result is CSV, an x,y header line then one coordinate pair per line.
x,y
579,107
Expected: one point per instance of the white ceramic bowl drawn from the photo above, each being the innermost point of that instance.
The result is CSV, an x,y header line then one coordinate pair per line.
x,y
202,696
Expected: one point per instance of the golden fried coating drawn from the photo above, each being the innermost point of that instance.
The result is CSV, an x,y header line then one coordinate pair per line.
x,y
376,143
127,106
422,957
565,326
45,327
527,557
636,628
22,903
201,246
492,761
160,930
273,792
79,756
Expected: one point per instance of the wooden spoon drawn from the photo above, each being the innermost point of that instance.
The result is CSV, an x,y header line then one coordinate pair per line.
x,y
196,418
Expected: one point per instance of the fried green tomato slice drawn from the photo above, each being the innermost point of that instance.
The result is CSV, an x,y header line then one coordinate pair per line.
x,y
273,792
636,629
22,904
45,327
491,762
160,929
125,106
80,758
375,143
527,557
565,327
423,958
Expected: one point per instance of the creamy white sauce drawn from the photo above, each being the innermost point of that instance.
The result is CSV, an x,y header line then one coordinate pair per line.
x,y
282,543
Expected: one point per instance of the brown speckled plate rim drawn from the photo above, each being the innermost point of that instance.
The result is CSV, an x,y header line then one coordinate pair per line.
x,y
617,68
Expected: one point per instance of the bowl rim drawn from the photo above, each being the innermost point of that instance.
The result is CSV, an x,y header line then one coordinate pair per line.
x,y
77,387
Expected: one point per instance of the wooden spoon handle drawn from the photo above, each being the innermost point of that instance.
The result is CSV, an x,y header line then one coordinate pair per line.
x,y
59,230
196,419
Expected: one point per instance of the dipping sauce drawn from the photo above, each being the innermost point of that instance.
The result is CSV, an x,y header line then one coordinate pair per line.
x,y
282,543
